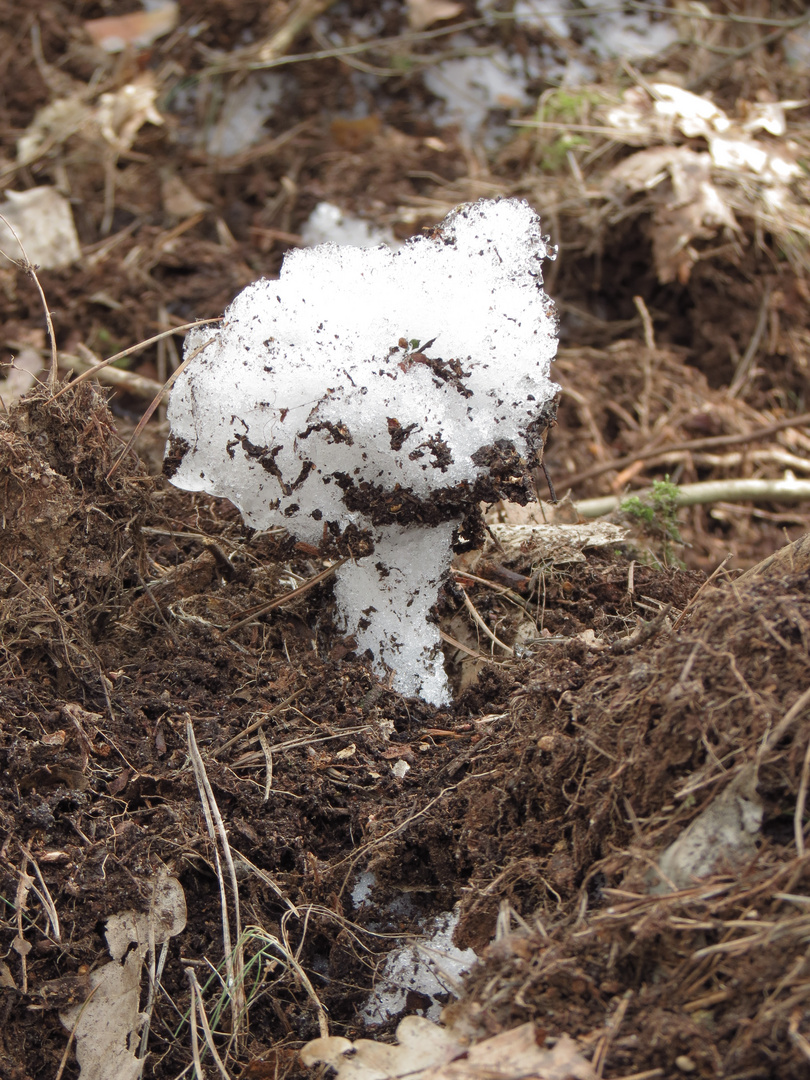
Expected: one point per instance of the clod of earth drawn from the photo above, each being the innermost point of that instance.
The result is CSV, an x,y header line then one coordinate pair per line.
x,y
369,401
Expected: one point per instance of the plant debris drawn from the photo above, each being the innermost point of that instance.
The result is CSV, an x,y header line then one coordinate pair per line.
x,y
626,705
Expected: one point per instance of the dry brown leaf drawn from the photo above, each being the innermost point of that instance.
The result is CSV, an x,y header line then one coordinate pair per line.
x,y
424,13
428,1052
695,209
114,33
107,1023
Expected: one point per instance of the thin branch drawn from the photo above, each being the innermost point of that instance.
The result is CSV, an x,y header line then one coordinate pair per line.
x,y
85,375
803,420
786,490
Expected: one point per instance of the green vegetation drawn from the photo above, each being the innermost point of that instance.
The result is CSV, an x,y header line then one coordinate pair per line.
x,y
658,510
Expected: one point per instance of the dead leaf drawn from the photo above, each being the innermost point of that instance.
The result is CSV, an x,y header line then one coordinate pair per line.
x,y
695,207
43,220
21,375
723,836
114,33
52,126
555,543
107,1022
428,1052
424,13
122,114
179,200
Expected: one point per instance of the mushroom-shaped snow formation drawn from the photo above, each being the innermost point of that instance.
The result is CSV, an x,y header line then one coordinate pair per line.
x,y
369,401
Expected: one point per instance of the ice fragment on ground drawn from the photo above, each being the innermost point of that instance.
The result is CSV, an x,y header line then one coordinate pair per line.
x,y
473,86
246,107
361,892
371,399
431,967
605,27
329,224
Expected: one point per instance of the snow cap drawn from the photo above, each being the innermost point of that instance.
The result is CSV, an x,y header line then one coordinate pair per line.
x,y
370,390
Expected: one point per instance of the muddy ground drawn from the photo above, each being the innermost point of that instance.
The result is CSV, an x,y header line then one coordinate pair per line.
x,y
637,697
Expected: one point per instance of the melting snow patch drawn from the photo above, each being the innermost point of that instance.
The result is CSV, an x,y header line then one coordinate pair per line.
x,y
328,224
372,400
431,967
361,892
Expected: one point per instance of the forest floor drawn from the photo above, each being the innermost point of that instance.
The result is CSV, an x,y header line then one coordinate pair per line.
x,y
614,806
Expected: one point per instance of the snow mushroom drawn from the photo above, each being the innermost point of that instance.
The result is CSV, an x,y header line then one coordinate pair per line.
x,y
369,401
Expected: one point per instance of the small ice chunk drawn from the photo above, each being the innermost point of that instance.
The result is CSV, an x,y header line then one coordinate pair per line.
x,y
432,967
369,400
328,224
247,105
361,893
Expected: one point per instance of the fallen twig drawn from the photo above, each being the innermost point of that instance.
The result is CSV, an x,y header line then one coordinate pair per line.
x,y
788,490
802,420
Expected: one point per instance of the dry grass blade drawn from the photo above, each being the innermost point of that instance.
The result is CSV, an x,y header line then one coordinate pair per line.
x,y
801,799
479,622
85,375
234,957
30,269
192,1023
717,570
262,609
197,1000
45,898
155,975
257,724
802,420
155,402
300,16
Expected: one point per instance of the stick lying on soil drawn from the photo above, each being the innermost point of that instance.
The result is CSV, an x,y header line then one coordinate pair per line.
x,y
788,490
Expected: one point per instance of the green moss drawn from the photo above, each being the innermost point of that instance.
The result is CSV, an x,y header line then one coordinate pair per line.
x,y
657,510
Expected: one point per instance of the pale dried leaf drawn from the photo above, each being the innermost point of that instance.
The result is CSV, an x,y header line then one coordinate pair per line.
x,y
53,125
43,220
691,114
515,1055
427,1052
744,154
769,115
424,13
21,946
179,200
114,33
166,918
107,1023
695,209
421,1045
122,114
21,374
556,543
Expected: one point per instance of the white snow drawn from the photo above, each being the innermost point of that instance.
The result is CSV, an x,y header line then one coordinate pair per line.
x,y
432,967
363,374
329,224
